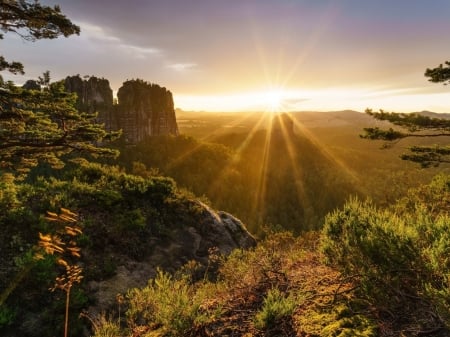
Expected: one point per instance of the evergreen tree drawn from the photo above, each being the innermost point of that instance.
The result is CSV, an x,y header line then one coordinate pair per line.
x,y
439,74
416,125
32,21
43,123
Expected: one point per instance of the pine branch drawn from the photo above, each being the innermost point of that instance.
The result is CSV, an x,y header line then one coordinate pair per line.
x,y
413,122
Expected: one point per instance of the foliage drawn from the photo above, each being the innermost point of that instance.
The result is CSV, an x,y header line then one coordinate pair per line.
x,y
371,243
124,218
275,307
416,126
8,192
276,289
340,320
32,21
6,316
41,124
64,246
44,125
278,184
440,74
104,327
399,256
170,304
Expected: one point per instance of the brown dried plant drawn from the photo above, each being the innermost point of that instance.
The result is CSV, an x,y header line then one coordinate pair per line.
x,y
63,244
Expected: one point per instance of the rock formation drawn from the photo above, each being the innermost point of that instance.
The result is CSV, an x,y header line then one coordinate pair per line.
x,y
214,230
31,85
94,95
143,109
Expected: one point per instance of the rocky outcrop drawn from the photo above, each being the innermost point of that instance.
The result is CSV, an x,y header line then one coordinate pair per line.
x,y
143,109
213,230
93,95
31,85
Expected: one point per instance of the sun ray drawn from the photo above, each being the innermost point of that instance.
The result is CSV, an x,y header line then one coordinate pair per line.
x,y
237,157
325,152
314,38
296,168
207,137
260,195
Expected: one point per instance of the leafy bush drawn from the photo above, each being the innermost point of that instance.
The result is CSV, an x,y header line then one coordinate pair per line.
x,y
6,316
104,327
275,307
401,258
170,303
375,244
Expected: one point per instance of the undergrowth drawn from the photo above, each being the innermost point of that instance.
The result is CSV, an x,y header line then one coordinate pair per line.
x,y
271,290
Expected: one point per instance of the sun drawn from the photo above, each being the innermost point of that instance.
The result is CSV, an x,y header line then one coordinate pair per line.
x,y
273,100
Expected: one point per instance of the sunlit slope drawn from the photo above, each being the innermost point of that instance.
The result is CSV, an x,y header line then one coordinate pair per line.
x,y
291,180
282,170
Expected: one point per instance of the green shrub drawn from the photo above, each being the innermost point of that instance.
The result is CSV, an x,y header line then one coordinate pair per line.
x,y
7,316
104,327
275,307
372,243
173,304
131,220
339,320
400,258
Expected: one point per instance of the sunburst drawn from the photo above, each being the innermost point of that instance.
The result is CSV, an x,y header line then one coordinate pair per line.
x,y
273,100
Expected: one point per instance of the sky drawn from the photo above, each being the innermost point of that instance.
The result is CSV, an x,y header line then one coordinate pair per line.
x,y
251,55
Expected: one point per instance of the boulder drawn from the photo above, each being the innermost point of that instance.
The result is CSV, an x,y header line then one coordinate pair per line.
x,y
215,231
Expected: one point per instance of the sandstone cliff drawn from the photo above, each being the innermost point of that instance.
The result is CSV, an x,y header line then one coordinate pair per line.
x,y
94,95
143,109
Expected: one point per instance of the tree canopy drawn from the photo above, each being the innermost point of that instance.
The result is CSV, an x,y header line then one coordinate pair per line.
x,y
40,122
43,125
32,21
416,125
440,74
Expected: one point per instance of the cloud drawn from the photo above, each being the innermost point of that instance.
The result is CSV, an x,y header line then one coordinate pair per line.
x,y
103,36
182,66
140,52
97,33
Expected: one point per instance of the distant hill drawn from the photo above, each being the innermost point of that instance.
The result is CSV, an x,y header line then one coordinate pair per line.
x,y
433,114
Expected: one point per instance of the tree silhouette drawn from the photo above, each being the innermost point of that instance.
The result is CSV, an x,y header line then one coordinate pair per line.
x,y
440,74
40,124
43,125
32,21
416,125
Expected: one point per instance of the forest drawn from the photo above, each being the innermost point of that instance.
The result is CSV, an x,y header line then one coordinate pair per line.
x,y
295,224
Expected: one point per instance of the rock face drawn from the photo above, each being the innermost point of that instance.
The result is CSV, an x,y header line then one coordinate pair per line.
x,y
31,85
94,95
143,109
213,230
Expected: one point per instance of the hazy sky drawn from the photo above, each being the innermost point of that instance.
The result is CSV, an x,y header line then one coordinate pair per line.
x,y
227,55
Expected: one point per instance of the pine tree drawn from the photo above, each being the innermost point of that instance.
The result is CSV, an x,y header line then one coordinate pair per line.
x,y
416,125
40,124
44,125
32,21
